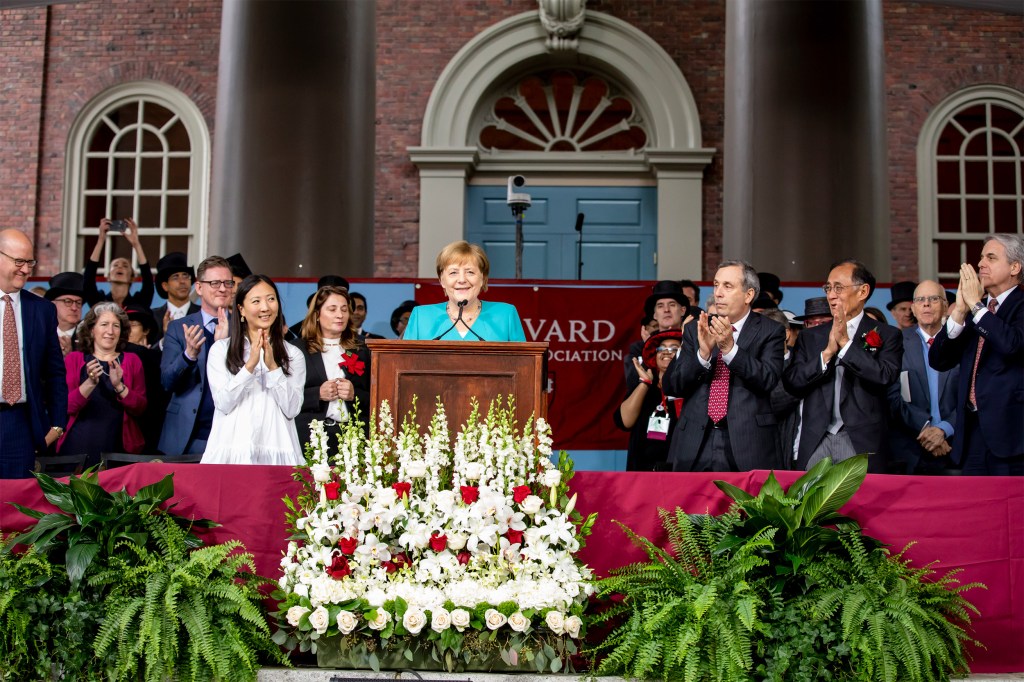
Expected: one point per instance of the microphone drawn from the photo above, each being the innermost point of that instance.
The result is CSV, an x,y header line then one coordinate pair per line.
x,y
461,305
579,222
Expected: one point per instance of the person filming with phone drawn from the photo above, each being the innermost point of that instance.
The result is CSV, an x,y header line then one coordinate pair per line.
x,y
120,273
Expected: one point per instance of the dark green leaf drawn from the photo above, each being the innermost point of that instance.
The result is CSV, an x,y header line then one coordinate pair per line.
x,y
34,513
57,494
738,494
79,557
160,491
834,489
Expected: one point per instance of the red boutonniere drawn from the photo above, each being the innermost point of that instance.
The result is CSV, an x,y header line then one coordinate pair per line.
x,y
351,363
872,340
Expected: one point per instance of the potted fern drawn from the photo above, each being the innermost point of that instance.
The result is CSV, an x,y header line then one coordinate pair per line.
x,y
782,587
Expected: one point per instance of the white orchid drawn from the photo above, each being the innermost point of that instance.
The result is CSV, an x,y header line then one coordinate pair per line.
x,y
373,550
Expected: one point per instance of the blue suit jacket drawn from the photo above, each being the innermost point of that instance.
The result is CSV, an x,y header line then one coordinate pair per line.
x,y
1000,382
910,417
46,389
184,382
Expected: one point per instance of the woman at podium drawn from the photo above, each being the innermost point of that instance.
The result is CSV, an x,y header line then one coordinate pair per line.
x,y
462,270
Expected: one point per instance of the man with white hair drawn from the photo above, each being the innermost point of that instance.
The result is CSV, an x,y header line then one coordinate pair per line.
x,y
984,336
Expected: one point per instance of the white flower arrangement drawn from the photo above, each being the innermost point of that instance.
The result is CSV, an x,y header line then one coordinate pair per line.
x,y
402,537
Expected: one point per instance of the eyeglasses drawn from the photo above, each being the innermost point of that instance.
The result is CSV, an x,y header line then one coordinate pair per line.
x,y
934,300
667,349
21,262
69,302
839,288
219,283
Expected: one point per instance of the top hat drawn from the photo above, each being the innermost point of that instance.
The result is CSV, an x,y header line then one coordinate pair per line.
x,y
763,302
815,307
901,292
171,264
666,288
793,320
770,284
71,283
649,354
239,268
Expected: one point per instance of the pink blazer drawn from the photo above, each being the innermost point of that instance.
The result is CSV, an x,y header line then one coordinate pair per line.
x,y
134,403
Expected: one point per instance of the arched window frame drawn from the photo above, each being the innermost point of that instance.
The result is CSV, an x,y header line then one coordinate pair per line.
x,y
76,157
927,186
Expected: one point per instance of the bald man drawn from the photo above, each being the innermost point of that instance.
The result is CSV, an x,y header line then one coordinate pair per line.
x,y
923,401
33,389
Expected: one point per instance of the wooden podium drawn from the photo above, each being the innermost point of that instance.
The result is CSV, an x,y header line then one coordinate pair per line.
x,y
457,371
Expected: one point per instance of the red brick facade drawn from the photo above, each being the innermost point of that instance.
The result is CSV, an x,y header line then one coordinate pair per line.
x,y
53,60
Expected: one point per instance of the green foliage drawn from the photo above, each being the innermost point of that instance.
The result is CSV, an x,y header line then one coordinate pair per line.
x,y
92,521
173,613
782,588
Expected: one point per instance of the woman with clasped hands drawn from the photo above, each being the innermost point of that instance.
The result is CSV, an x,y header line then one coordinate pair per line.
x,y
256,381
106,388
462,269
337,364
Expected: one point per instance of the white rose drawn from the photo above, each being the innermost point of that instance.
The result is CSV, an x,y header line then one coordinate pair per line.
x,y
532,504
555,622
347,622
381,620
573,625
321,473
456,541
552,477
295,614
440,620
494,619
416,468
473,471
414,620
460,619
319,620
301,589
518,622
445,500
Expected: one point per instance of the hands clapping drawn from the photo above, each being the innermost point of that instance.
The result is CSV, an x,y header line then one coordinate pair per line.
x,y
261,349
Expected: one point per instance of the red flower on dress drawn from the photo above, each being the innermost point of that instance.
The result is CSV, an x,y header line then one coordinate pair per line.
x,y
351,363
520,493
872,340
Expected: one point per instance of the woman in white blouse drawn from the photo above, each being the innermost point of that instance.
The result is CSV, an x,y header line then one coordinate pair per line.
x,y
256,381
337,364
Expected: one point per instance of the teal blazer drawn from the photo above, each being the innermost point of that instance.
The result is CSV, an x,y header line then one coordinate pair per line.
x,y
497,322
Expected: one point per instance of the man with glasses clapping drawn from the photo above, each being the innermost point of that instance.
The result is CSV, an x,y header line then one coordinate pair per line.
x,y
183,366
67,292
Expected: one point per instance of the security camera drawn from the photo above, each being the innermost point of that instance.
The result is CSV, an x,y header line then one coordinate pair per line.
x,y
515,197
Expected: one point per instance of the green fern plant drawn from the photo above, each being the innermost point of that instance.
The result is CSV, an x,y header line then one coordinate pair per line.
x,y
176,613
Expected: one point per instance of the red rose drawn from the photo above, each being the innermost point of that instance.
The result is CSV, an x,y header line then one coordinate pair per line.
x,y
515,537
389,566
339,568
873,339
332,489
520,493
438,542
348,545
351,363
470,493
402,489
464,557
401,560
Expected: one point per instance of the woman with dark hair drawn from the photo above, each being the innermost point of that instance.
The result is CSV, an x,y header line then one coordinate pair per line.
x,y
106,388
337,364
256,381
400,317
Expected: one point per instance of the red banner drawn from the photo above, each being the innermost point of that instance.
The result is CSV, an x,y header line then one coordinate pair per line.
x,y
588,330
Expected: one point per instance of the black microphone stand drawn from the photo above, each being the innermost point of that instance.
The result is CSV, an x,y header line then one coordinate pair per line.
x,y
579,249
461,305
518,210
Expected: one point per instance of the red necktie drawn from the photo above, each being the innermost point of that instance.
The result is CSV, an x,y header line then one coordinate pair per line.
x,y
718,397
12,355
992,303
931,341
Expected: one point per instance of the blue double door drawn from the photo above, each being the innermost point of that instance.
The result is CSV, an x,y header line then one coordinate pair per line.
x,y
619,232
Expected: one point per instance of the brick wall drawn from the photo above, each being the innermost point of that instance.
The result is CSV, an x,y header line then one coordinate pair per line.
x,y
47,78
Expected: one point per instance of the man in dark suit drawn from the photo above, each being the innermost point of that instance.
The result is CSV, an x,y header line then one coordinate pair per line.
x,y
174,280
725,372
359,311
183,364
33,389
842,372
984,335
923,401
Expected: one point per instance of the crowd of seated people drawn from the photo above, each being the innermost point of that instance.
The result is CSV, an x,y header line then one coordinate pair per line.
x,y
741,384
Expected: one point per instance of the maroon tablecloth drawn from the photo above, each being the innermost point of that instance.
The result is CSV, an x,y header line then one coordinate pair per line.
x,y
972,523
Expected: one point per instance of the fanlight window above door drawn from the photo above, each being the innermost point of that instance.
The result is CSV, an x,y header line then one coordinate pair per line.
x,y
563,111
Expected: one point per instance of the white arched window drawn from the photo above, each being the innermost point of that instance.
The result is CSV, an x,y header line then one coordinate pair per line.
x,y
971,176
138,150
